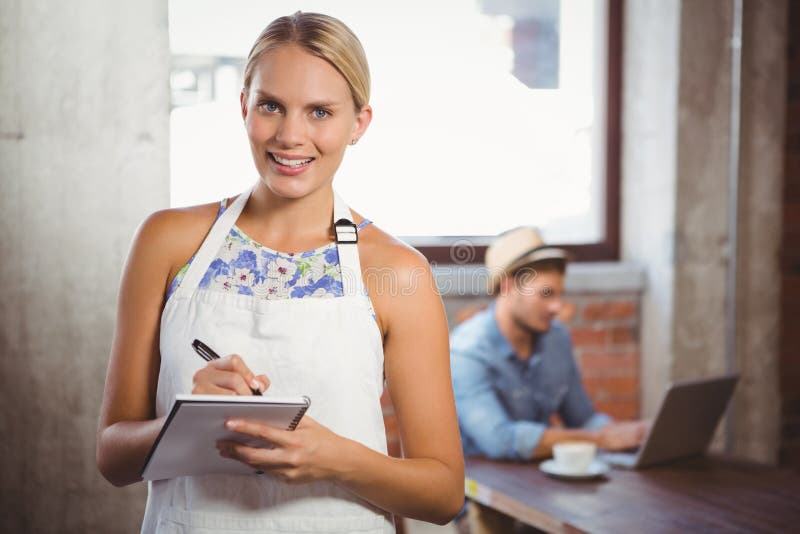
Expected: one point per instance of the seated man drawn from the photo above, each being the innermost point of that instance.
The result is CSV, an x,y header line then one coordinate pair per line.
x,y
513,367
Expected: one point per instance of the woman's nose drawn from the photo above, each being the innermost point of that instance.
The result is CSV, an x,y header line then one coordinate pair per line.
x,y
291,131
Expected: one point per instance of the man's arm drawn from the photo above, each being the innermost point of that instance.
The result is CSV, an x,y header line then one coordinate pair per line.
x,y
484,419
578,413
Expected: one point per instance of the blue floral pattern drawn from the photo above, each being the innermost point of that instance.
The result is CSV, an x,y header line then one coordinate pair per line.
x,y
246,267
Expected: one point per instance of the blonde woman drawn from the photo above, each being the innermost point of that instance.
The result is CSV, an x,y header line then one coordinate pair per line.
x,y
278,279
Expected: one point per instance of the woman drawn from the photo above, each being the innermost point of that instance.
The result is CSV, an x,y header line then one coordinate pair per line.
x,y
250,287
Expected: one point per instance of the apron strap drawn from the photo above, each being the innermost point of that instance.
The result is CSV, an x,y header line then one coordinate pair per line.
x,y
346,242
213,242
347,245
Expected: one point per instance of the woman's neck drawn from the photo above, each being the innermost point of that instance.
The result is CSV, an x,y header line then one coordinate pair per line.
x,y
283,222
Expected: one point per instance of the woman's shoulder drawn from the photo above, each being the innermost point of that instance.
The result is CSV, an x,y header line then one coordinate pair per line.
x,y
399,280
380,251
173,235
173,226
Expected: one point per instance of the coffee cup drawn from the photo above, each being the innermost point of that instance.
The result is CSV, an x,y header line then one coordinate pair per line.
x,y
574,457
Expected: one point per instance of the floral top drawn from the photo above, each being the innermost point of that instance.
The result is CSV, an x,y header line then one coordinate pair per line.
x,y
246,267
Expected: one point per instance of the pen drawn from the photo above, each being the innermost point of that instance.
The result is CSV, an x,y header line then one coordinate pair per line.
x,y
207,354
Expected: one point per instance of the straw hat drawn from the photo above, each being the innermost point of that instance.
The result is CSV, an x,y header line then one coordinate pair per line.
x,y
517,248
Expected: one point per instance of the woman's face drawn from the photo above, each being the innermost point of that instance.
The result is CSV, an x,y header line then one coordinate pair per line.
x,y
299,117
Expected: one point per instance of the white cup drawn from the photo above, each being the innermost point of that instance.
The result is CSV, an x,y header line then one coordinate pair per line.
x,y
574,457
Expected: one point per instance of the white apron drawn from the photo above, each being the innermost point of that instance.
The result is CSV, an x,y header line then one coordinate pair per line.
x,y
327,348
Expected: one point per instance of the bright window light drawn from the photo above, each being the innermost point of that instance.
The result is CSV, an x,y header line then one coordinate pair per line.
x,y
488,114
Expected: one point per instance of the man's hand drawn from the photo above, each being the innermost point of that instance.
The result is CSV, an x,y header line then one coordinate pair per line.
x,y
620,436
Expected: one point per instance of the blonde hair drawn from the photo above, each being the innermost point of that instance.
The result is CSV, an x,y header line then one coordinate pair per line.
x,y
323,36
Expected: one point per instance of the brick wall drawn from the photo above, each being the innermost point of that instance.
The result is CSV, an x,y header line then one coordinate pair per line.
x,y
605,334
790,313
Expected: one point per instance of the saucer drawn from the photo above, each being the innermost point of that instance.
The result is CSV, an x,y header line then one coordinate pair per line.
x,y
596,469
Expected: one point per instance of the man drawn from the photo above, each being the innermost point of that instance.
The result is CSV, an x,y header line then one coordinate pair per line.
x,y
513,367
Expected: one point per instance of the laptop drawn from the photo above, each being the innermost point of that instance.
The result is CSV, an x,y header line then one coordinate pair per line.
x,y
685,423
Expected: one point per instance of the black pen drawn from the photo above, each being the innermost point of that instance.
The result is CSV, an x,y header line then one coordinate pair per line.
x,y
207,354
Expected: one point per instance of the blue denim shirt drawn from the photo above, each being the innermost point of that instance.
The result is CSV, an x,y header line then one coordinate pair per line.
x,y
504,404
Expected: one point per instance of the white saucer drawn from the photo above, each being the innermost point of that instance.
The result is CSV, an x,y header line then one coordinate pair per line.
x,y
596,469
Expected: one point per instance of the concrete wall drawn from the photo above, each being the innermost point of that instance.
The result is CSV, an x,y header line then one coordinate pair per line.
x,y
84,104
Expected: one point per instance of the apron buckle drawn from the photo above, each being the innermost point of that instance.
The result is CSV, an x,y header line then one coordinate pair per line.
x,y
346,231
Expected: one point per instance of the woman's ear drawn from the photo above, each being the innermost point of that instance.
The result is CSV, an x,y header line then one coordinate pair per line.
x,y
243,104
363,118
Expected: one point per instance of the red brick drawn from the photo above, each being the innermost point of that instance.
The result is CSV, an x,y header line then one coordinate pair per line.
x,y
586,337
567,312
609,363
791,165
791,216
790,429
789,378
605,388
619,410
600,311
619,335
789,455
790,404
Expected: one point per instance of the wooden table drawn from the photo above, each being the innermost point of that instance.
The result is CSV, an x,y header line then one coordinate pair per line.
x,y
695,495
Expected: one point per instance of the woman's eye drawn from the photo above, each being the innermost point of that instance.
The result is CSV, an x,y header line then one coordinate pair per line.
x,y
320,113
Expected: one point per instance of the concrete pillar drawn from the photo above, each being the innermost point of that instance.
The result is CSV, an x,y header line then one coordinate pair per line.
x,y
676,200
650,118
756,428
84,109
701,236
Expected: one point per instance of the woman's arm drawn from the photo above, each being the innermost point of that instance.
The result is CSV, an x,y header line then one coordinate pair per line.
x,y
427,484
127,426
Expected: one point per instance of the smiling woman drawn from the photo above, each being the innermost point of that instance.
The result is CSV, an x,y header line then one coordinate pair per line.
x,y
246,275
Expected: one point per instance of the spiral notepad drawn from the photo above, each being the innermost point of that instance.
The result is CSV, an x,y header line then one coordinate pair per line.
x,y
186,445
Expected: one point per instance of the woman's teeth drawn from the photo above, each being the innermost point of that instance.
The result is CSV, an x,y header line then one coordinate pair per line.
x,y
290,162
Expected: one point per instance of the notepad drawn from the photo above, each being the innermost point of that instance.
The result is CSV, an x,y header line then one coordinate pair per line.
x,y
186,445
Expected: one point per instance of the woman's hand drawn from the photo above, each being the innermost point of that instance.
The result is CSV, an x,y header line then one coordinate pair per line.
x,y
307,454
228,376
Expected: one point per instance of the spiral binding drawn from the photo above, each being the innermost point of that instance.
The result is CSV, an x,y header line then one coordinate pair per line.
x,y
300,414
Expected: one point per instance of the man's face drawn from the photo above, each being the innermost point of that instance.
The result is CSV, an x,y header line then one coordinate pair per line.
x,y
535,298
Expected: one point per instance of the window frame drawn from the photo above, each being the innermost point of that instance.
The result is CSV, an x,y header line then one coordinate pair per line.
x,y
608,248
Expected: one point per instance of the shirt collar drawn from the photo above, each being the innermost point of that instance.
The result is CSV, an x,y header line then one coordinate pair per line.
x,y
502,348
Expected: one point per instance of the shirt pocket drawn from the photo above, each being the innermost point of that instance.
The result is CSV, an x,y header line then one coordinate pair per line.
x,y
549,400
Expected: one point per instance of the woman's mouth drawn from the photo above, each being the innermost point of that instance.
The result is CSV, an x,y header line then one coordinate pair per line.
x,y
293,163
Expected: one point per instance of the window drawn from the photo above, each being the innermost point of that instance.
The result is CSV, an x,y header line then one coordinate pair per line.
x,y
488,114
